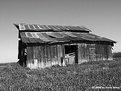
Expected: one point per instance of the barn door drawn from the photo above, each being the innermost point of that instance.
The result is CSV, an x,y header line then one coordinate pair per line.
x,y
71,54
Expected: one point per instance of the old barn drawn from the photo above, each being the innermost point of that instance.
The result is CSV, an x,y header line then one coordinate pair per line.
x,y
42,46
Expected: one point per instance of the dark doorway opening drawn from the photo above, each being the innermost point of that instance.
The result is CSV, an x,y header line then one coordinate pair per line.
x,y
72,50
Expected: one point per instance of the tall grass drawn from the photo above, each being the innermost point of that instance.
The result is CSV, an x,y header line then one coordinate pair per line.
x,y
76,77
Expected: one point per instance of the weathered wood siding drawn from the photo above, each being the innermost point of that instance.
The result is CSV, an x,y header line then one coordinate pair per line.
x,y
43,56
86,52
48,55
103,52
94,52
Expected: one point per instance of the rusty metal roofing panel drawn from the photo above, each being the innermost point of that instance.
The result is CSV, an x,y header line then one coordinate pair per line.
x,y
26,27
31,27
25,40
40,27
45,27
80,35
32,40
61,27
42,37
70,34
55,37
92,37
22,35
37,27
99,38
29,35
50,38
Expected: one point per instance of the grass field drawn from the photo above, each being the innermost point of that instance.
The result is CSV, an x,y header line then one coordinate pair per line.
x,y
76,77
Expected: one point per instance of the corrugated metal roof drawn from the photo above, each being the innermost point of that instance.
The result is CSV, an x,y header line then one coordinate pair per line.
x,y
43,28
55,37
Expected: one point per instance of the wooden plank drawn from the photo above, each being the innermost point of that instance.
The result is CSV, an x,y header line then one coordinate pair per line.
x,y
91,52
63,55
56,54
98,52
39,54
29,53
48,62
110,52
79,53
59,54
42,53
29,56
52,54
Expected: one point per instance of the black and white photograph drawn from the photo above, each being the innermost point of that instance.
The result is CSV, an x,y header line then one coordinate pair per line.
x,y
60,45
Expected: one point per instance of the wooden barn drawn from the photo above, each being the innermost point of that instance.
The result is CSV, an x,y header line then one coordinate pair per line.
x,y
42,46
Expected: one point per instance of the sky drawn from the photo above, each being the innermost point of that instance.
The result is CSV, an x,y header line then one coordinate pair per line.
x,y
103,17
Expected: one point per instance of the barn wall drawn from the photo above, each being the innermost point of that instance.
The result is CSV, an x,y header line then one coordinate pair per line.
x,y
44,56
103,52
86,52
48,55
94,52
